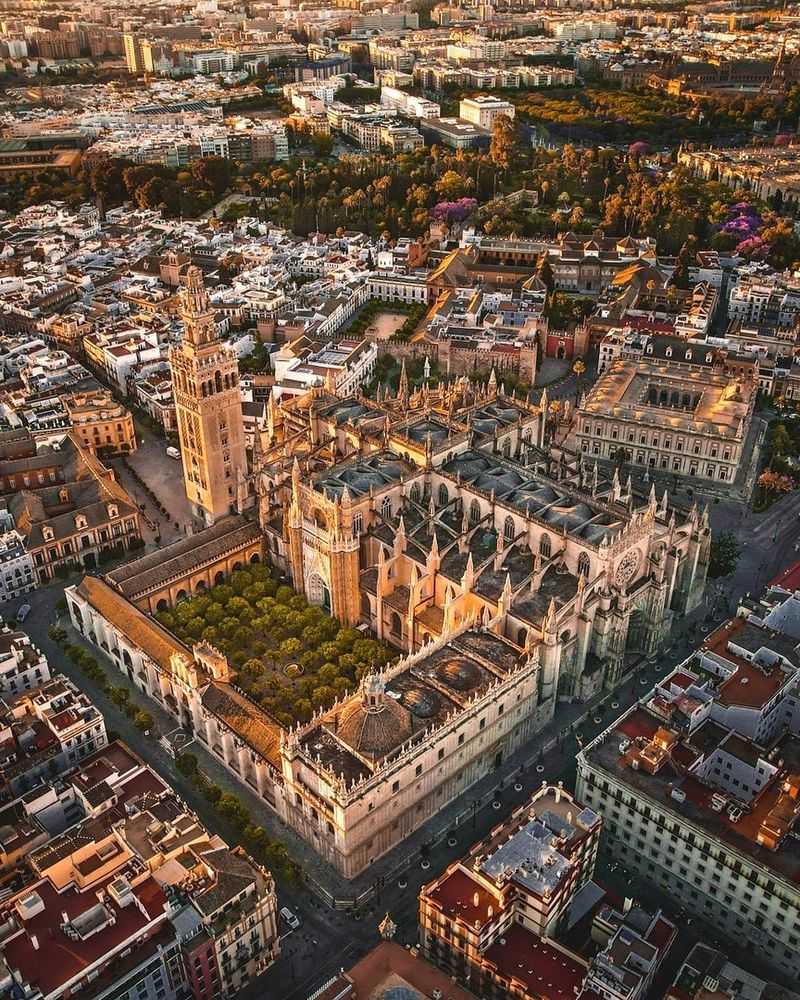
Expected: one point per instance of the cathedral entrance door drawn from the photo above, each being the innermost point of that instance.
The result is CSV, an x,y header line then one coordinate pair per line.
x,y
318,592
636,641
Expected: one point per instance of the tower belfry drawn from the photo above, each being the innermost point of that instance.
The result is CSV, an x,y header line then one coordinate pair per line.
x,y
205,380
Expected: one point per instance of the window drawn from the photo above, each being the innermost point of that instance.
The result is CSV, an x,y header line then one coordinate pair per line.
x,y
544,546
474,512
508,529
444,496
386,507
396,786
358,523
584,565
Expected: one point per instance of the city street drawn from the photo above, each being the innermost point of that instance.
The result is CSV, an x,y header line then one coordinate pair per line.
x,y
328,939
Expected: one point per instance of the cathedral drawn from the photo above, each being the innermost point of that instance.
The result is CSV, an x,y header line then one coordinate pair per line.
x,y
418,513
509,574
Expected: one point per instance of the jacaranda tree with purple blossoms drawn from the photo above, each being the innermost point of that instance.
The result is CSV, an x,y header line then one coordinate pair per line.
x,y
454,211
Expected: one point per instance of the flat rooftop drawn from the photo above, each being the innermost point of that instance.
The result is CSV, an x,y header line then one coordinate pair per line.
x,y
659,393
539,965
639,726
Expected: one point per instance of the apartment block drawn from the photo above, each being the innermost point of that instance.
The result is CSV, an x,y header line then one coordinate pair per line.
x,y
132,899
17,574
699,784
46,729
484,110
22,665
490,919
101,424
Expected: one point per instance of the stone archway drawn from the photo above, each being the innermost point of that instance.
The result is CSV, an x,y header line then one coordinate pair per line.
x,y
162,605
255,558
219,578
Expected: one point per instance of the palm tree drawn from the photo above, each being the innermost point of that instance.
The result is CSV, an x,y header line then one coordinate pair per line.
x,y
578,368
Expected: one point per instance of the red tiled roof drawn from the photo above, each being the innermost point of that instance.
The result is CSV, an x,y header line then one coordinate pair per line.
x,y
389,963
681,680
543,970
639,723
661,933
747,686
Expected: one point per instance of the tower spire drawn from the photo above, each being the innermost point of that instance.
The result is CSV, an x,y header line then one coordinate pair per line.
x,y
402,388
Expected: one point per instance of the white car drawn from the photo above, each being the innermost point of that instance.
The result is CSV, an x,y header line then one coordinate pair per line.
x,y
173,453
290,918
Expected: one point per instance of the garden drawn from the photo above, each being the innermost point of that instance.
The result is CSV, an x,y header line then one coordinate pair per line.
x,y
781,472
292,658
373,310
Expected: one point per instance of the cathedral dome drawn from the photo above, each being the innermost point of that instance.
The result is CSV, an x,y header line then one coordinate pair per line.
x,y
459,673
374,725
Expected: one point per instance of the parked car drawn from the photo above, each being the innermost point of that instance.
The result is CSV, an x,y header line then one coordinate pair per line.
x,y
23,613
290,918
173,452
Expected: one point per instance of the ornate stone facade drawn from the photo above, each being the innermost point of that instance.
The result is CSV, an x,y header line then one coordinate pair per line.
x,y
416,514
674,415
508,573
205,379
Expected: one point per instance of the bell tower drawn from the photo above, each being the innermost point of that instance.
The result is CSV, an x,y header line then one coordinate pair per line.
x,y
205,382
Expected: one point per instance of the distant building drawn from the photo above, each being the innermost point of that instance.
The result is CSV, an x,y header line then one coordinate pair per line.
x,y
345,365
484,110
458,133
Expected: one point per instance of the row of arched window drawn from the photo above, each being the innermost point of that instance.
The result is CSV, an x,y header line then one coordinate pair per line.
x,y
218,383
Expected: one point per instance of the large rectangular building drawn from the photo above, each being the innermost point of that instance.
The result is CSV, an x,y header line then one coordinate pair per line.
x,y
699,787
665,417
